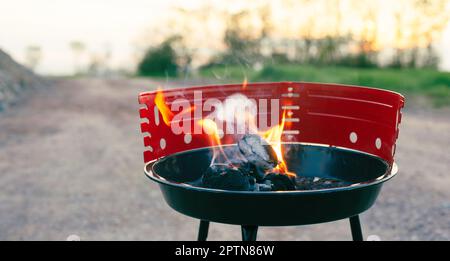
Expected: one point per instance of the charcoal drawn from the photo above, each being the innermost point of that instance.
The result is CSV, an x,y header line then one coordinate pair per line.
x,y
280,182
258,152
305,183
266,186
251,170
252,182
313,183
224,176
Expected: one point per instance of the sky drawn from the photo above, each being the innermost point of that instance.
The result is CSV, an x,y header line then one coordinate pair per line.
x,y
53,24
102,25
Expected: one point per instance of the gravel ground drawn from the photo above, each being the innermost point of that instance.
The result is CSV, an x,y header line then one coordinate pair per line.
x,y
71,163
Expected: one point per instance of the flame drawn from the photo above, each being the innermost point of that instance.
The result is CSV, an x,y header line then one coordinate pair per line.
x,y
244,83
165,111
273,137
210,128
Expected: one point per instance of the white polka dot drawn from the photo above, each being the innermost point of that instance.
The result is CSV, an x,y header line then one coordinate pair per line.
x,y
353,137
187,138
290,89
378,143
162,143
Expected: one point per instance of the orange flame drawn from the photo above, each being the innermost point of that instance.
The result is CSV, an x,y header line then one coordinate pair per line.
x,y
165,111
273,137
244,83
210,128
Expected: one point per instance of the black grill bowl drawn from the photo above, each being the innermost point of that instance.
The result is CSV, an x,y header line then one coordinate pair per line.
x,y
283,208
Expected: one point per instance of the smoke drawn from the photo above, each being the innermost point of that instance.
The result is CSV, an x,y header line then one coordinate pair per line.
x,y
238,112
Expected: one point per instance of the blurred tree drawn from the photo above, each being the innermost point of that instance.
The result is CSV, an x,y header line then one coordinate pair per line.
x,y
431,59
342,32
367,44
426,29
265,16
328,50
33,55
163,60
398,57
99,62
241,43
338,13
78,48
306,47
431,17
94,66
416,32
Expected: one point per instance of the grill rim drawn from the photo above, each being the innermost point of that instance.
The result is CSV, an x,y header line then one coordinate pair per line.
x,y
389,173
177,89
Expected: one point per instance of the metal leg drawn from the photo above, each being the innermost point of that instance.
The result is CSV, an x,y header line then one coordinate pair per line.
x,y
203,230
249,233
355,225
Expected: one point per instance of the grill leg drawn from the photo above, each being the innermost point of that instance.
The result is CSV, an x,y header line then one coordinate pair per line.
x,y
203,230
249,232
355,225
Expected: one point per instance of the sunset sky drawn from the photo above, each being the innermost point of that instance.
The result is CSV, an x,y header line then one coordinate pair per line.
x,y
121,27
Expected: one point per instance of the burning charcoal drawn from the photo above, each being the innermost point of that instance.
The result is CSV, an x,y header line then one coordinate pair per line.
x,y
258,152
223,176
251,170
280,182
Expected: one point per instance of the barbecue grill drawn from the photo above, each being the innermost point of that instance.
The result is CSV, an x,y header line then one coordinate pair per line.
x,y
335,131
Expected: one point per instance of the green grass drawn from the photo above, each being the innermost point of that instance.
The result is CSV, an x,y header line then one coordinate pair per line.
x,y
433,84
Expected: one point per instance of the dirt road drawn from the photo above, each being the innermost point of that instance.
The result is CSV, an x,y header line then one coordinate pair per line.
x,y
71,163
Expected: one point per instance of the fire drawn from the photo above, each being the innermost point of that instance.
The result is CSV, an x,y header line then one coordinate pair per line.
x,y
273,137
244,83
160,102
226,113
210,128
